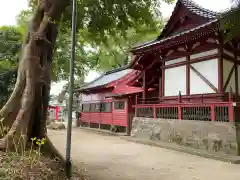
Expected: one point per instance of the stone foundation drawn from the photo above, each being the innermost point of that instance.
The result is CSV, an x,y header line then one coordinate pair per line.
x,y
211,136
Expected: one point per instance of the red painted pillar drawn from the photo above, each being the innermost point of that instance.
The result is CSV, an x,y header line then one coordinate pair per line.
x,y
154,112
163,80
220,67
160,89
236,78
144,86
57,110
230,107
179,106
212,112
136,99
188,76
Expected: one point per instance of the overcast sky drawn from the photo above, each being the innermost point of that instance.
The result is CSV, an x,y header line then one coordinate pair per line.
x,y
9,9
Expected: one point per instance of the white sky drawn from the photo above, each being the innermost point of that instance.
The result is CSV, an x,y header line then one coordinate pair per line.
x,y
9,9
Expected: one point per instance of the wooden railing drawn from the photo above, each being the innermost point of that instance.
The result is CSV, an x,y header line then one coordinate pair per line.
x,y
223,112
202,111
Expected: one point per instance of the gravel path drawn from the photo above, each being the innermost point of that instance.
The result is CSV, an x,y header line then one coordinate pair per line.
x,y
112,158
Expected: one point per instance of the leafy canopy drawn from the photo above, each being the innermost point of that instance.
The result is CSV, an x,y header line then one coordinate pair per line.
x,y
10,45
229,22
106,29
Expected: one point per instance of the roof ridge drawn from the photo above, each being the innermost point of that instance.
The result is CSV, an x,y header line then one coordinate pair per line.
x,y
116,70
193,7
191,3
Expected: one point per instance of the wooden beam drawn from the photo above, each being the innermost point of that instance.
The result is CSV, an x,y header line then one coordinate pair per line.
x,y
220,67
163,81
229,78
150,81
160,87
188,75
204,79
201,59
144,85
236,77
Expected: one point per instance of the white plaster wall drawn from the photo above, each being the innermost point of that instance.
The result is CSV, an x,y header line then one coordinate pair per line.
x,y
227,66
175,81
178,60
205,53
86,97
209,69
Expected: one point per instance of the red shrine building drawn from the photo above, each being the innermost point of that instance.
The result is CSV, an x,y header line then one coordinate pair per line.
x,y
189,63
182,87
108,100
190,81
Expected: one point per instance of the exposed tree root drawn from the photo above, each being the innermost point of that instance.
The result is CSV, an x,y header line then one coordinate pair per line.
x,y
50,149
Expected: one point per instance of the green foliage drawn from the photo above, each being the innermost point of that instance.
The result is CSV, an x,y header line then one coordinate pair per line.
x,y
106,29
10,38
229,23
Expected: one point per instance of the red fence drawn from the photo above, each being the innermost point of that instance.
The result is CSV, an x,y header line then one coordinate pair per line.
x,y
224,111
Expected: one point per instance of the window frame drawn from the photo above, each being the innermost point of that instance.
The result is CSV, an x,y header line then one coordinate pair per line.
x,y
119,105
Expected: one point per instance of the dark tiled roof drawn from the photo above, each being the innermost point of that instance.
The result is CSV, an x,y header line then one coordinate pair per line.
x,y
106,78
174,36
192,7
195,8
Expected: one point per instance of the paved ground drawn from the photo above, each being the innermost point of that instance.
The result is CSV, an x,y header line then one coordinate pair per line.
x,y
112,158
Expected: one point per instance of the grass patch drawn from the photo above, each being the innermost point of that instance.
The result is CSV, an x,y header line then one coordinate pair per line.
x,y
17,167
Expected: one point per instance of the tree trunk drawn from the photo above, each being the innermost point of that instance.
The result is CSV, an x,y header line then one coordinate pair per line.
x,y
25,113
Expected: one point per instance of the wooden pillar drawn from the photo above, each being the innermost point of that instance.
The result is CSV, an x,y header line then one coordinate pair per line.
x,y
188,76
129,120
160,88
163,80
154,112
179,106
144,86
57,111
236,77
230,107
220,66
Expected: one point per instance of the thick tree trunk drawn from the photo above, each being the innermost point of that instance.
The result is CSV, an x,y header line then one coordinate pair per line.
x,y
25,112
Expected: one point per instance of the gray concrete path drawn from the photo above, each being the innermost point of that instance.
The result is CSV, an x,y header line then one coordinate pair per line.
x,y
112,158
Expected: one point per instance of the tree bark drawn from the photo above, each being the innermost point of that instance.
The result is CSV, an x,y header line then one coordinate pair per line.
x,y
25,113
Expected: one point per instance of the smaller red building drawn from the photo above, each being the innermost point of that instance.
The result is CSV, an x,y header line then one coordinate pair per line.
x,y
108,100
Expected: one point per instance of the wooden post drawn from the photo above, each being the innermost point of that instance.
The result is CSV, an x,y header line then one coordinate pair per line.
x,y
179,97
213,112
230,95
136,99
154,112
179,106
188,75
144,86
236,77
230,107
220,65
160,88
57,111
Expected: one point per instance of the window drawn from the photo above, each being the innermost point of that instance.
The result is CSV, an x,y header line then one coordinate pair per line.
x,y
97,107
86,108
106,107
119,105
94,108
